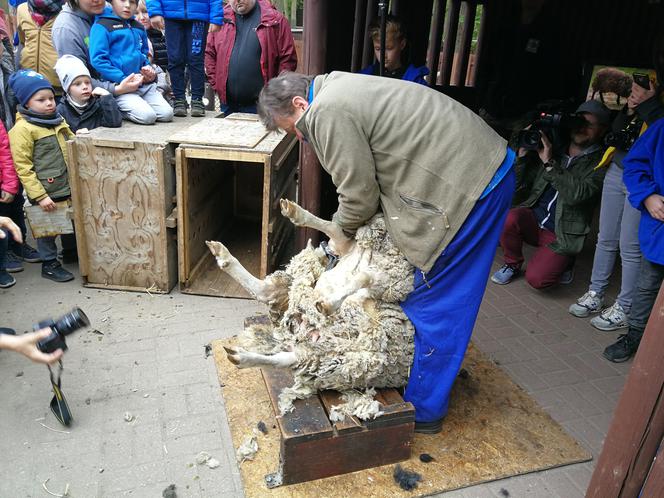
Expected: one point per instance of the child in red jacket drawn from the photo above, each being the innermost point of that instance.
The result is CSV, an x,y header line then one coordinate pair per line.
x,y
8,190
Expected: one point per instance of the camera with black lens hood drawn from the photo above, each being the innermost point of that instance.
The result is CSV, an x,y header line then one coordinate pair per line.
x,y
60,328
553,125
625,138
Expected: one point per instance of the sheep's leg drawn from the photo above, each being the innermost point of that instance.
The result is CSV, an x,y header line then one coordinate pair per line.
x,y
263,290
246,359
334,297
300,217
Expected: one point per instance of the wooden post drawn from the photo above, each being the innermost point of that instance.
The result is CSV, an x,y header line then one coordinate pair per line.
x,y
435,40
315,52
637,427
358,35
449,47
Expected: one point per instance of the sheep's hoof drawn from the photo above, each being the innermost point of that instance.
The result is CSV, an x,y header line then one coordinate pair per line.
x,y
220,252
324,308
290,210
232,355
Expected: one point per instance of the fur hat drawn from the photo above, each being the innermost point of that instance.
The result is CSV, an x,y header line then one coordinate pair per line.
x,y
70,67
26,82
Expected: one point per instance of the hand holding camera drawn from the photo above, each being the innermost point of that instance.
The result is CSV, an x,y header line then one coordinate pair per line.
x,y
60,328
642,90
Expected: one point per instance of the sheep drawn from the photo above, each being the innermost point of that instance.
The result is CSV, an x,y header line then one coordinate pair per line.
x,y
339,329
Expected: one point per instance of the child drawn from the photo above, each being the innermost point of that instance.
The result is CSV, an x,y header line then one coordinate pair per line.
x,y
82,107
119,48
156,37
186,26
395,43
34,23
8,191
644,179
38,145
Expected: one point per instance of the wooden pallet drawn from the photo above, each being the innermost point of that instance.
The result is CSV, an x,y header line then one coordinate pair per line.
x,y
313,447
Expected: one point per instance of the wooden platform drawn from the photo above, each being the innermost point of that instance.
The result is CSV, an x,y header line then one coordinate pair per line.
x,y
493,430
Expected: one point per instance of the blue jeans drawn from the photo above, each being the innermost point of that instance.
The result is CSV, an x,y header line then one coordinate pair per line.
x,y
48,251
444,307
185,45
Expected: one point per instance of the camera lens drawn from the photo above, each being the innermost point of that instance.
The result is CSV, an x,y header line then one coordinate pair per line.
x,y
72,321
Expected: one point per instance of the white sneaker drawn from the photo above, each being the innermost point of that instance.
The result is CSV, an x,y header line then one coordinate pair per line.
x,y
612,318
590,302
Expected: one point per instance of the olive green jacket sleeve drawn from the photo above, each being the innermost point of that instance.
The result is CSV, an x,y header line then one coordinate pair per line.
x,y
22,145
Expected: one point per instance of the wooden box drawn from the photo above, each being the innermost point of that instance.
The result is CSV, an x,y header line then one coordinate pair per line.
x,y
123,191
313,447
231,174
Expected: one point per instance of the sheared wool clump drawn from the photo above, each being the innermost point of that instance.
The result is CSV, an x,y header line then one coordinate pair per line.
x,y
366,343
356,403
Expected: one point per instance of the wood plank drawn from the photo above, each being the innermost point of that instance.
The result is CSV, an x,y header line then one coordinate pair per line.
x,y
49,223
349,424
654,485
181,180
74,185
638,421
216,154
308,421
222,133
266,215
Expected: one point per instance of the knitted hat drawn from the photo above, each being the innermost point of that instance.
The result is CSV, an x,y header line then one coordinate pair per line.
x,y
70,67
25,83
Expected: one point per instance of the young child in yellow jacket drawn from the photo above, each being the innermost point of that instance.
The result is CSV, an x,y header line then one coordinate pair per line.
x,y
38,143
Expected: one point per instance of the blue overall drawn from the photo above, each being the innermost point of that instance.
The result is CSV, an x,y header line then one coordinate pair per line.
x,y
443,306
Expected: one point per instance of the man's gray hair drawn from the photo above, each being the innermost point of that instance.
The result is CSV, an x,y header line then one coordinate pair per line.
x,y
276,97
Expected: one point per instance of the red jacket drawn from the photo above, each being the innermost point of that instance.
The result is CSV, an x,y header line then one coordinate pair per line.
x,y
274,35
8,176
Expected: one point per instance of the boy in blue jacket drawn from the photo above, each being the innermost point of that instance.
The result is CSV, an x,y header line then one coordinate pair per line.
x,y
119,48
186,26
644,179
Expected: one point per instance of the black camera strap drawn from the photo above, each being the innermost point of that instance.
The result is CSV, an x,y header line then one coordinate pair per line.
x,y
59,405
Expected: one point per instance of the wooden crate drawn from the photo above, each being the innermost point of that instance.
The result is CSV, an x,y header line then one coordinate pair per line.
x,y
313,447
123,192
231,174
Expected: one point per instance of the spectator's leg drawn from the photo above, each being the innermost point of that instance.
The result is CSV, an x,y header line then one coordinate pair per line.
x,y
154,98
176,38
14,210
135,109
6,280
196,38
630,253
610,215
546,266
520,226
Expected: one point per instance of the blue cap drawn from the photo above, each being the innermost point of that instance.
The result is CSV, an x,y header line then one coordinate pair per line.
x,y
26,82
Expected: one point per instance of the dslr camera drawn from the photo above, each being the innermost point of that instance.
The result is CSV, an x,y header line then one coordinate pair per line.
x,y
552,125
60,328
625,138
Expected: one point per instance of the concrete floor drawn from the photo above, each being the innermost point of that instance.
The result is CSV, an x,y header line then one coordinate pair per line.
x,y
147,358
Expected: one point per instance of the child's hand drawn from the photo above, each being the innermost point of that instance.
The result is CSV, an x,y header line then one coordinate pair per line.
x,y
158,22
82,131
6,197
148,73
100,92
129,85
213,28
47,204
655,206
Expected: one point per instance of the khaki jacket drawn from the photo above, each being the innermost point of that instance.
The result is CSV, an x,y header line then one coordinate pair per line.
x,y
38,52
40,157
417,154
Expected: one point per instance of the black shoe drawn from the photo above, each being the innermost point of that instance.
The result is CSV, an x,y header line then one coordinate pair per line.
x,y
53,270
180,108
429,427
27,253
7,330
623,349
197,109
6,280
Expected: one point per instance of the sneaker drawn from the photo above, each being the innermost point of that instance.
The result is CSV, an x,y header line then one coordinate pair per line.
x,y
566,277
14,263
197,109
180,108
27,253
505,274
7,330
429,427
612,318
590,302
6,280
53,270
623,349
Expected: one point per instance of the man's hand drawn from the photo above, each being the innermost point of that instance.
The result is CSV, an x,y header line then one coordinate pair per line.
x,y
129,85
12,228
158,22
6,197
149,74
545,153
27,345
100,92
639,95
47,204
655,206
214,28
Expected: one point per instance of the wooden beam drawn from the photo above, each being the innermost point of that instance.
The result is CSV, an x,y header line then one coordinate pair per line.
x,y
637,427
435,40
461,72
359,35
449,46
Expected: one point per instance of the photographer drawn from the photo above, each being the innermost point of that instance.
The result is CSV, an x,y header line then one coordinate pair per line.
x,y
560,191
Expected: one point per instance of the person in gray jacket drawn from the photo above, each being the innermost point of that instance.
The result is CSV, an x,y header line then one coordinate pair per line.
x,y
71,35
444,182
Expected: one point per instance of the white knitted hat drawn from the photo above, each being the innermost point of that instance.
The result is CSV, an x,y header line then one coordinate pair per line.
x,y
69,68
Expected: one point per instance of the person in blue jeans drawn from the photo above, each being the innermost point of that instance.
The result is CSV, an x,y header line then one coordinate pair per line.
x,y
644,178
186,28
